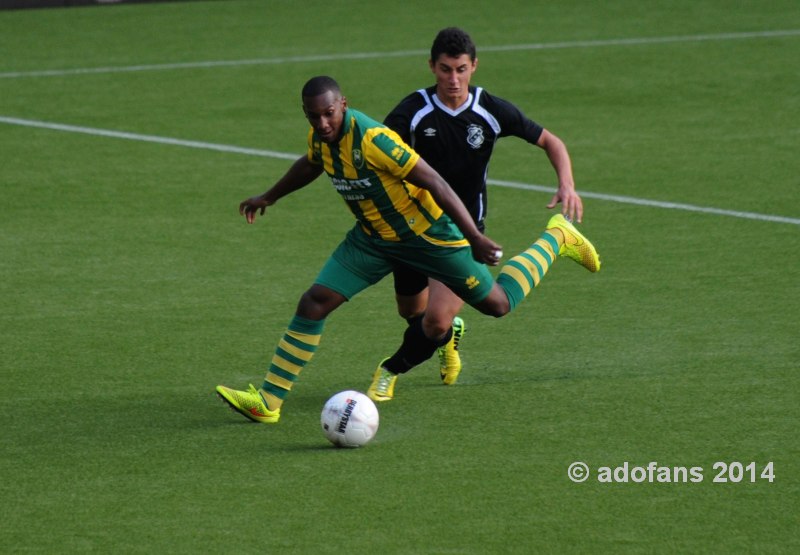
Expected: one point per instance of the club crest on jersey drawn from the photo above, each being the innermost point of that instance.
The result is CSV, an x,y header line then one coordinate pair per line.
x,y
475,135
358,158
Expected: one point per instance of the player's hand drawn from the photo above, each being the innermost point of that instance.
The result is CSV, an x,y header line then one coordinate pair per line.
x,y
486,251
249,207
571,203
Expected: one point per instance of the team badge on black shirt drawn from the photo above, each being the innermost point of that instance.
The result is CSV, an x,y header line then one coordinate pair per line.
x,y
475,135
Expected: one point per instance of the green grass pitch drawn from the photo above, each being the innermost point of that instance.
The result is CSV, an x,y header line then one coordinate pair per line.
x,y
130,286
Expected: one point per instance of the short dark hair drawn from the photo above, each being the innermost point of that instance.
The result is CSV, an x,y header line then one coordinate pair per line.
x,y
454,42
320,85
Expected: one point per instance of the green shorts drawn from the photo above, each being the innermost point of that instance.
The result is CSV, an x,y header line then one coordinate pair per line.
x,y
361,260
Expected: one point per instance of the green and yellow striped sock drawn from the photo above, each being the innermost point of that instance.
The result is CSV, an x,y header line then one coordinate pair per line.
x,y
294,351
522,273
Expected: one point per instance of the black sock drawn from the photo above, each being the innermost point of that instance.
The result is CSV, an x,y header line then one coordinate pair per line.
x,y
415,349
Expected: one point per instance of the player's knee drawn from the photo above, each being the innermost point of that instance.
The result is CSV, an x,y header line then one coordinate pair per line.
x,y
434,327
318,302
407,313
496,305
411,306
495,310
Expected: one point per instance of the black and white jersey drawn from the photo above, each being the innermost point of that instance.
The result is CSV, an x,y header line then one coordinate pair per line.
x,y
458,143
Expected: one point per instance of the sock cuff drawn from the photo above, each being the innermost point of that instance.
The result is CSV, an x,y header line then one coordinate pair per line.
x,y
511,288
414,319
304,325
446,339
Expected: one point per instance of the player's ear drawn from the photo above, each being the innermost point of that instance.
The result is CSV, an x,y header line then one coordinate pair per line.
x,y
432,66
344,103
475,65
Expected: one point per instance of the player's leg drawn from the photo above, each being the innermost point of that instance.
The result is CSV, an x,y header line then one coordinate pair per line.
x,y
472,282
410,291
442,254
442,314
415,349
439,323
299,343
522,273
336,283
294,351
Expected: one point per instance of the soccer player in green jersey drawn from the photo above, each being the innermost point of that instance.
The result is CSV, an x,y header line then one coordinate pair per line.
x,y
405,213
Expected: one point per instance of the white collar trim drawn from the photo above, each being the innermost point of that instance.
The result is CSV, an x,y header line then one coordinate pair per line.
x,y
439,104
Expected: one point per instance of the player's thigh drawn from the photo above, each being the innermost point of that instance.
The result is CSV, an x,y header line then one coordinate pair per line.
x,y
411,291
353,266
443,304
495,303
408,282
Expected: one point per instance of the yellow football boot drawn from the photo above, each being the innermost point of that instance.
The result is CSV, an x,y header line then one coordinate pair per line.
x,y
382,387
449,359
576,246
249,403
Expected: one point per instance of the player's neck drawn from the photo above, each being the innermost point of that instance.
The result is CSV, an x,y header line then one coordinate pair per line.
x,y
453,102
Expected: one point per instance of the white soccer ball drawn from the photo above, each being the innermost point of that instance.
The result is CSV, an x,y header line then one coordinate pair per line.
x,y
349,419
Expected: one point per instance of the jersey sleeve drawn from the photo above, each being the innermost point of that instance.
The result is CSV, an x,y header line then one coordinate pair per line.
x,y
386,151
399,119
512,121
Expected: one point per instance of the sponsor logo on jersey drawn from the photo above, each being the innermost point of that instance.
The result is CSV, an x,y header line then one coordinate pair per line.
x,y
430,132
349,188
475,135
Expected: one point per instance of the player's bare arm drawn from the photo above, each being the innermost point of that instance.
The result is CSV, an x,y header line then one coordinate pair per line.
x,y
571,203
300,174
483,249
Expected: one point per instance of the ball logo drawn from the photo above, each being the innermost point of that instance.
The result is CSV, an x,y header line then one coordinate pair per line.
x,y
348,410
475,135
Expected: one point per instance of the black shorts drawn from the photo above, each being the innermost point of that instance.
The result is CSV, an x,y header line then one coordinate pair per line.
x,y
408,281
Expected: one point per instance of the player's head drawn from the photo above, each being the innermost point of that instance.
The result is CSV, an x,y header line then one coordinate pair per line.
x,y
324,107
454,42
453,61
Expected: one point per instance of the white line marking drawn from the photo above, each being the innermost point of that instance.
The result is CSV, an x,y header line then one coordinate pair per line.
x,y
148,138
655,203
212,63
289,156
400,54
637,41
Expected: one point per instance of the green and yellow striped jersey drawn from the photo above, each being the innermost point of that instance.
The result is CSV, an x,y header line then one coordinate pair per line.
x,y
367,167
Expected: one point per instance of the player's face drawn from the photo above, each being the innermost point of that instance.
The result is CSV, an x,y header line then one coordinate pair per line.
x,y
452,78
325,113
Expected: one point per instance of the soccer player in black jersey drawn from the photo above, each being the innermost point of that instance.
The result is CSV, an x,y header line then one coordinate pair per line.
x,y
454,126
